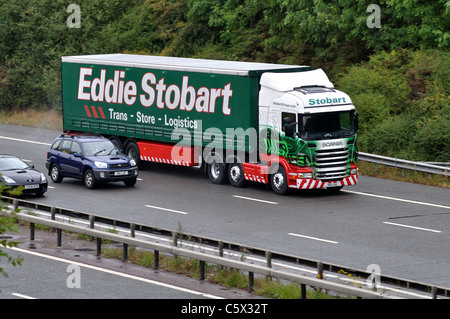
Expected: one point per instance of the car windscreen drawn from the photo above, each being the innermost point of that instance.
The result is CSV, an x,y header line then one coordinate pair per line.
x,y
100,148
12,163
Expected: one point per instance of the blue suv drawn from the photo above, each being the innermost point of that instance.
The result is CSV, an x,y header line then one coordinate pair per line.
x,y
92,158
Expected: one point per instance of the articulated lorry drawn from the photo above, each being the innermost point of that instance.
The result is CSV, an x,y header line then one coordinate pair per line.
x,y
282,125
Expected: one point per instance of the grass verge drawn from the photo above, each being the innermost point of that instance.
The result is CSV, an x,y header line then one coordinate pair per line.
x,y
225,276
48,119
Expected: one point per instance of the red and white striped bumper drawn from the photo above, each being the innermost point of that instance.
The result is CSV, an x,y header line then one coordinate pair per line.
x,y
314,183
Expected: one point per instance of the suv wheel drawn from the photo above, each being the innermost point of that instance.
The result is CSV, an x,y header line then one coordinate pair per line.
x,y
89,179
130,182
55,174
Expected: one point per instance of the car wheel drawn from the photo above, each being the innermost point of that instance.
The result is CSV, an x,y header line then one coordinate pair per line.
x,y
89,179
55,174
130,182
279,182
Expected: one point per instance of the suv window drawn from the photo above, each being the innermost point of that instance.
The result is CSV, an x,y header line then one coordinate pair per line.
x,y
76,148
56,145
65,146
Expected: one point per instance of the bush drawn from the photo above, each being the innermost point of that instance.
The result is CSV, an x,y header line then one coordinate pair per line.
x,y
403,102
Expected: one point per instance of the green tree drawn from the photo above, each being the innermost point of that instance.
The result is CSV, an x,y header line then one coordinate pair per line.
x,y
7,224
403,102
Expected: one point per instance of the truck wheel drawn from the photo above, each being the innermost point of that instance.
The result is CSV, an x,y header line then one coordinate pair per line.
x,y
236,174
89,179
117,143
132,151
279,182
216,172
55,174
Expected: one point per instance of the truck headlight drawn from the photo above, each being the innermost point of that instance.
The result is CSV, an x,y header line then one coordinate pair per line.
x,y
101,164
354,171
307,175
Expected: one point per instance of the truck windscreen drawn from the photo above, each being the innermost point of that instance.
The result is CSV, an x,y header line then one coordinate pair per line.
x,y
321,126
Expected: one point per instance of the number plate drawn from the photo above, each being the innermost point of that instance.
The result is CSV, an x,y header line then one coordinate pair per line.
x,y
31,186
333,184
121,173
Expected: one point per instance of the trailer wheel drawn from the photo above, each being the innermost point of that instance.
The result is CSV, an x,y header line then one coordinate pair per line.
x,y
279,182
117,143
216,172
236,174
132,151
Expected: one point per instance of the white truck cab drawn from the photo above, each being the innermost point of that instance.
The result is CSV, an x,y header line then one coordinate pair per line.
x,y
304,107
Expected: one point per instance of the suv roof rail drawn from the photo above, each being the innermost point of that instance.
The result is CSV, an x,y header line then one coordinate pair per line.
x,y
79,134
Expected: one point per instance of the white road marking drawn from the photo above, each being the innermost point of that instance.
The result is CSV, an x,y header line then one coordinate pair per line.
x,y
167,209
398,199
22,296
414,227
21,140
314,238
256,200
153,282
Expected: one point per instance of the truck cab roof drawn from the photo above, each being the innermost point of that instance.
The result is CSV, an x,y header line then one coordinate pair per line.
x,y
285,82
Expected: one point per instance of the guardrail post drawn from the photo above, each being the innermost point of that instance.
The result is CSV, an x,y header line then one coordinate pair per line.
x,y
320,270
125,252
99,246
132,230
202,270
156,254
434,292
269,259
174,239
58,237
53,215
91,224
16,204
302,291
250,281
31,231
221,248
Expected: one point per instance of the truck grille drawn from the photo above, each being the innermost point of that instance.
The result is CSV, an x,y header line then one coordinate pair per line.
x,y
331,164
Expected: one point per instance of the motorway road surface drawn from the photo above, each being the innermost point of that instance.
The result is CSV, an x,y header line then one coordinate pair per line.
x,y
403,228
43,276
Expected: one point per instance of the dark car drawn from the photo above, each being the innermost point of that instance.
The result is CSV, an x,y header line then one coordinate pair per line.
x,y
15,173
92,158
